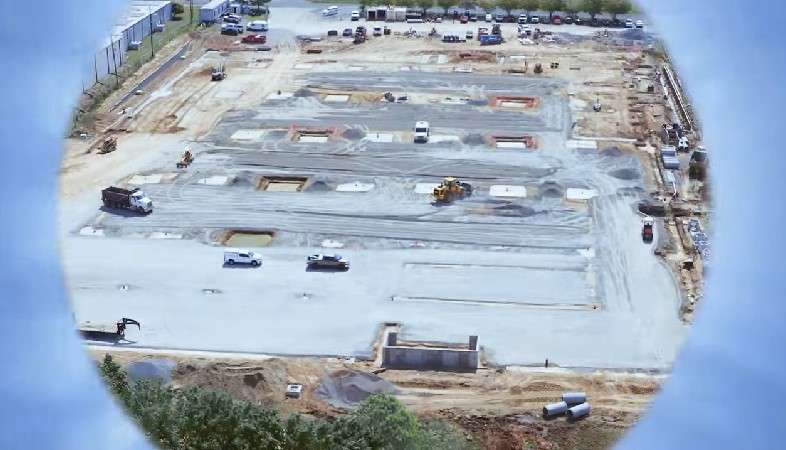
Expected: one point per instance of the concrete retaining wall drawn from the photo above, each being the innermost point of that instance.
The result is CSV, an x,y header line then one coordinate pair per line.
x,y
453,360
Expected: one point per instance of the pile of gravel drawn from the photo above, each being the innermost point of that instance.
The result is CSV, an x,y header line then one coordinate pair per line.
x,y
348,388
155,369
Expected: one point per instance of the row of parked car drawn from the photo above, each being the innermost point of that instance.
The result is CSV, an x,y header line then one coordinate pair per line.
x,y
469,16
239,256
232,25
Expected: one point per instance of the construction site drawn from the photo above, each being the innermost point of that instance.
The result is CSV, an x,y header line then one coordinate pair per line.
x,y
519,218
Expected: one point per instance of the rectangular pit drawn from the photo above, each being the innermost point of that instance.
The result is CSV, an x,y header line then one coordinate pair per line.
x,y
282,183
246,238
514,142
312,135
511,102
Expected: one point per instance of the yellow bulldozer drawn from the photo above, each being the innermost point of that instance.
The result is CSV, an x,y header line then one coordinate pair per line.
x,y
451,189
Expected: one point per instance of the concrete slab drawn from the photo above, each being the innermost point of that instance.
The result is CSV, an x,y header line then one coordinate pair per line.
x,y
425,188
248,135
281,96
90,231
279,186
354,187
502,190
165,235
440,138
336,98
153,178
577,194
228,94
582,144
303,66
514,105
519,145
313,139
215,180
329,243
379,137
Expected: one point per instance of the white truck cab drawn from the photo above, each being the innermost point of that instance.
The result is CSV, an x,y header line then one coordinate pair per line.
x,y
355,16
330,11
234,256
141,201
422,132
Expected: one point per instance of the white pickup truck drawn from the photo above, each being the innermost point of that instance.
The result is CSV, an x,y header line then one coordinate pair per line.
x,y
234,256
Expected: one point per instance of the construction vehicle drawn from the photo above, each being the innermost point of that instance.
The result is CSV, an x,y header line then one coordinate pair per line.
x,y
108,145
647,233
496,30
538,68
490,39
451,189
135,199
218,73
187,159
102,332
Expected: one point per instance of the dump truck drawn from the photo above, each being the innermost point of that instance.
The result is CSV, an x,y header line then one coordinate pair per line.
x,y
451,189
106,332
134,199
647,229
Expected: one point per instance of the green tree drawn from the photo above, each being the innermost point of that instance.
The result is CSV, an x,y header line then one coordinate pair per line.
x,y
592,7
467,4
259,7
552,6
177,9
509,5
486,5
446,5
405,3
529,5
364,4
424,4
615,7
115,377
571,7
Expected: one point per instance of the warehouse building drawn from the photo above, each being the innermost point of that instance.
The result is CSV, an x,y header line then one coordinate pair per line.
x,y
133,26
210,12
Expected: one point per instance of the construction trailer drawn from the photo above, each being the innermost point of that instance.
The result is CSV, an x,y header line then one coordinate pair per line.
x,y
211,12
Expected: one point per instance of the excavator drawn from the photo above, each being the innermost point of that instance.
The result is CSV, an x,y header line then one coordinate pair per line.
x,y
107,333
188,158
451,189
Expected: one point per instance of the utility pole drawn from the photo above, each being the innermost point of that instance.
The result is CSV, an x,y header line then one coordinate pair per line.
x,y
190,11
152,45
114,60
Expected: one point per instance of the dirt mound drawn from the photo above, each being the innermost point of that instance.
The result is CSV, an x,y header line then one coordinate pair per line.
x,y
319,186
303,92
612,152
264,383
353,134
551,189
156,369
474,139
347,388
625,174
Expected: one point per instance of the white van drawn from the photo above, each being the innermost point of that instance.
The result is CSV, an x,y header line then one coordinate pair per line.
x,y
355,16
257,25
422,132
330,11
234,256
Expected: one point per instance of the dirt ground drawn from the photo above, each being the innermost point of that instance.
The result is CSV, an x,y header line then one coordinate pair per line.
x,y
497,408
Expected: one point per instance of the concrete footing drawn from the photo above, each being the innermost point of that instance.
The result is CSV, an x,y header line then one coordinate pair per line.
x,y
425,356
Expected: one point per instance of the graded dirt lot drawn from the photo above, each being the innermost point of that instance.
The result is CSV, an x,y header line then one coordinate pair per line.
x,y
301,153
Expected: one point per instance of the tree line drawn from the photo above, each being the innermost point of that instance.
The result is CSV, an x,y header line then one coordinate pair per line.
x,y
570,7
194,418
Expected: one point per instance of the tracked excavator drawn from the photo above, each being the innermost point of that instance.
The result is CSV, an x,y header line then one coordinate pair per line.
x,y
451,189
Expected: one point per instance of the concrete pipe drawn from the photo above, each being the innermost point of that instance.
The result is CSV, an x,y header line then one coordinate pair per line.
x,y
555,409
579,411
574,398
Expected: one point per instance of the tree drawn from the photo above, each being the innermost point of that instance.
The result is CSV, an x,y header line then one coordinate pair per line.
x,y
405,3
446,5
364,4
592,7
114,377
486,5
552,5
529,6
424,5
571,7
177,9
615,7
509,5
259,7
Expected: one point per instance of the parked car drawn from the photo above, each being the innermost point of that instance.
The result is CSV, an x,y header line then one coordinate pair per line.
x,y
347,32
254,39
488,17
232,29
578,21
567,20
377,31
463,19
473,17
629,23
556,20
234,256
469,35
499,18
327,261
639,23
522,19
232,18
257,25
355,16
534,19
